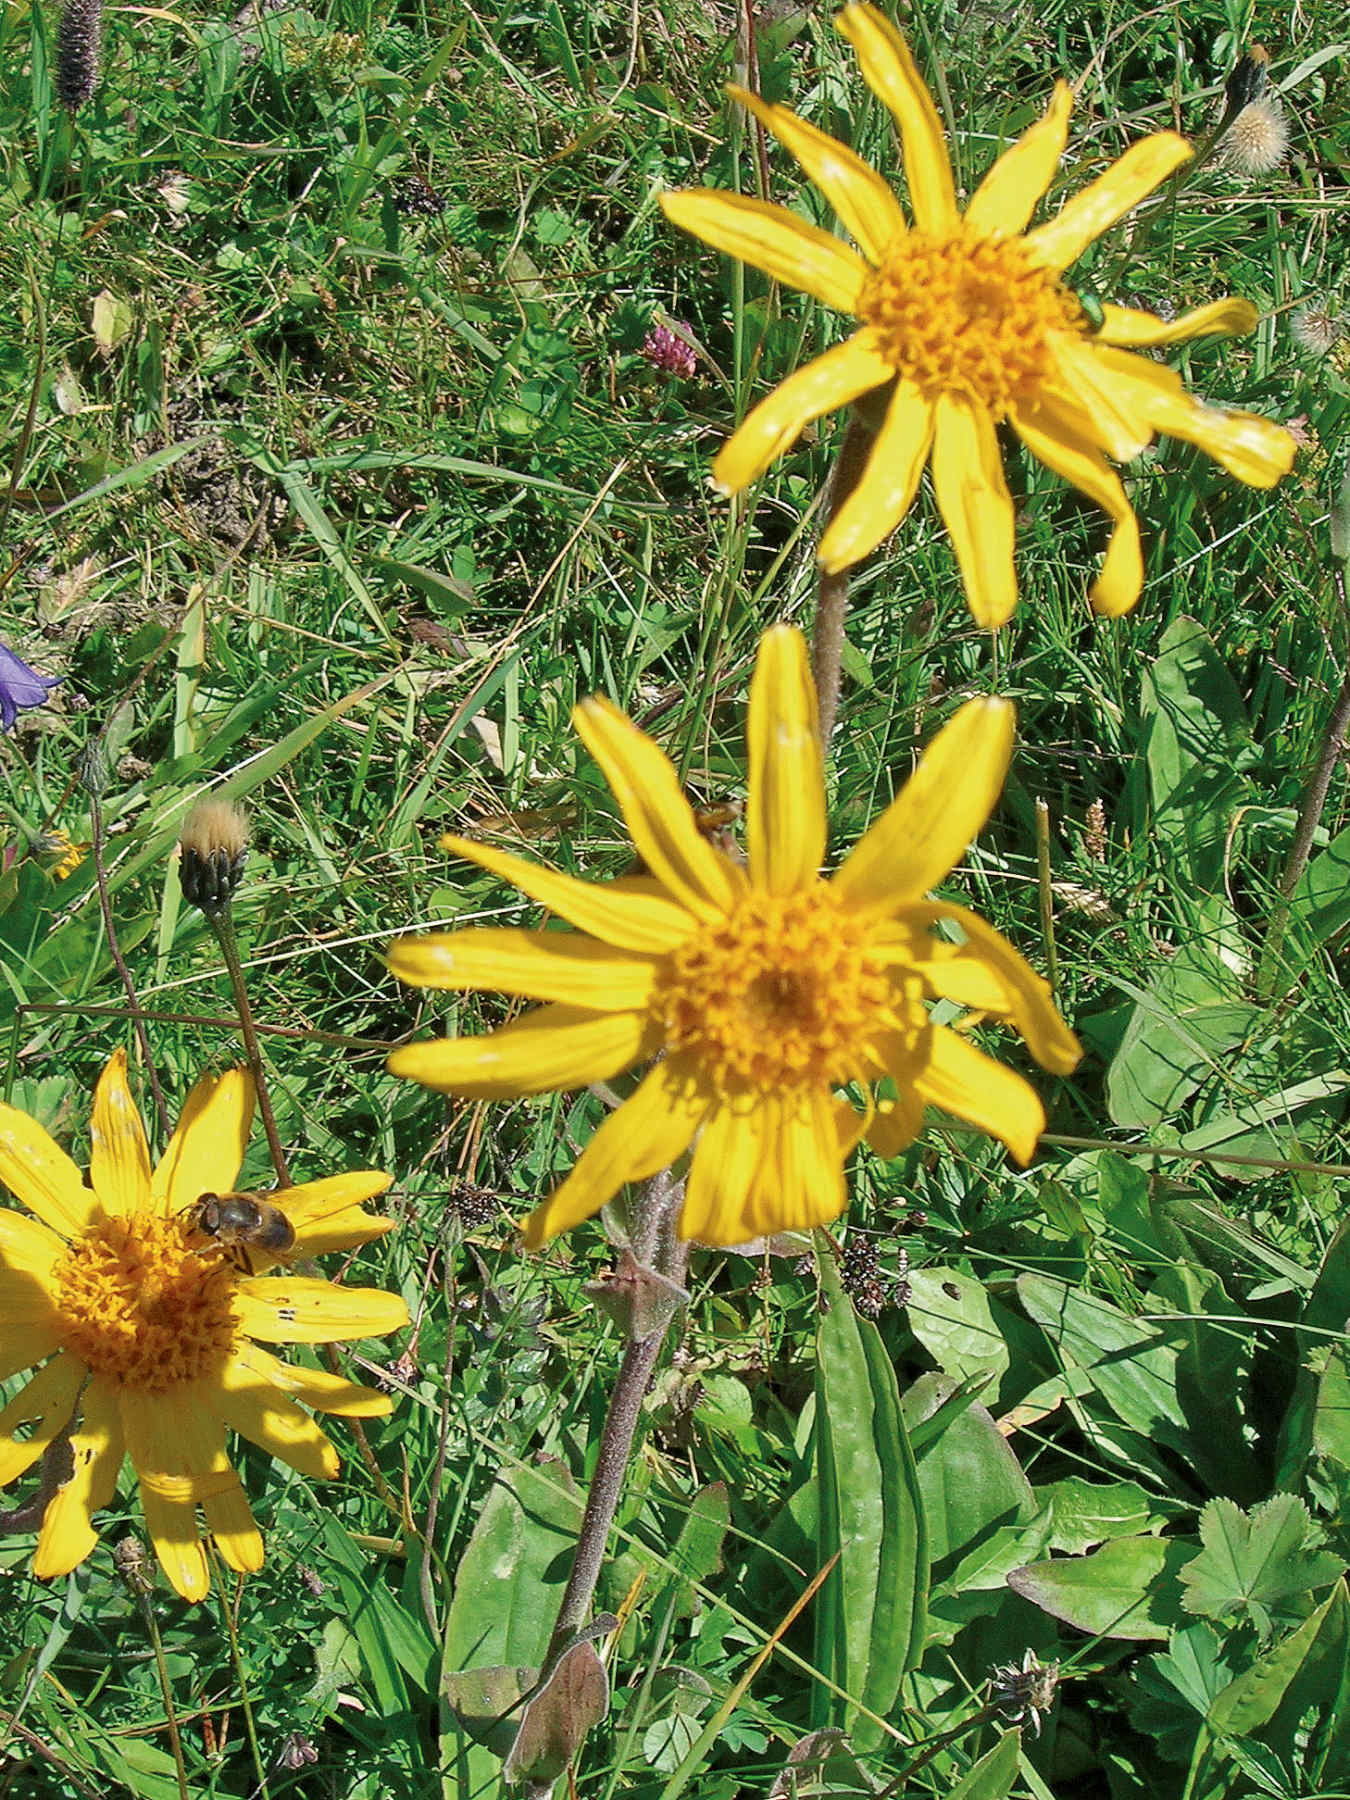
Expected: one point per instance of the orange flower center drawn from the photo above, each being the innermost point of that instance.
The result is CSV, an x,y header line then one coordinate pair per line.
x,y
781,993
962,313
141,1306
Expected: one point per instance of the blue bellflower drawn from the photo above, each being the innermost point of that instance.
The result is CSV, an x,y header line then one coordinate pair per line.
x,y
20,687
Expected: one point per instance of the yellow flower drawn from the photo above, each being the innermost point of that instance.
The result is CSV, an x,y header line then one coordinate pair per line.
x,y
760,990
966,323
143,1329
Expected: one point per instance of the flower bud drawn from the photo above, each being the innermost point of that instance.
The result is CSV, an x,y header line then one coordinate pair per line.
x,y
211,854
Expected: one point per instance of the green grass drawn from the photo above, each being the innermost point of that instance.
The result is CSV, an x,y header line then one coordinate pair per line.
x,y
432,495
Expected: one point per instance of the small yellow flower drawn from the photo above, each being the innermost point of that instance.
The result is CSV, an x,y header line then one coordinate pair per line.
x,y
761,991
145,1338
966,323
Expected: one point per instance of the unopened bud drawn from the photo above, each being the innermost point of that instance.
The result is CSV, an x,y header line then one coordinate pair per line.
x,y
211,854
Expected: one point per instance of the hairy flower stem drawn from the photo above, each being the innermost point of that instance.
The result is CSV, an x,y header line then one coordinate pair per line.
x,y
659,1205
222,924
120,962
827,641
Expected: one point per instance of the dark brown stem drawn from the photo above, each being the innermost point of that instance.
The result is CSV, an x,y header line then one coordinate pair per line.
x,y
827,643
120,962
222,924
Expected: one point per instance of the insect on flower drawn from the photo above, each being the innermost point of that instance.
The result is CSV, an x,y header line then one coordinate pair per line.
x,y
240,1222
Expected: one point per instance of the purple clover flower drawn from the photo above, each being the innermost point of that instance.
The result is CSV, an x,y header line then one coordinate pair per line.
x,y
668,350
20,687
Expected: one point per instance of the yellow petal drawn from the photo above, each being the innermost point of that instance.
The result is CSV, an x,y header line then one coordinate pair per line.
x,y
28,1253
26,1341
889,481
974,501
772,239
1254,449
255,1409
316,1387
1111,414
119,1158
40,1410
785,811
1084,218
327,1214
965,1082
67,1533
832,380
176,1444
896,1122
541,965
850,1126
1117,588
660,820
343,1231
867,208
230,1519
731,1148
551,1048
929,825
949,971
1125,325
633,913
653,1126
40,1174
802,1182
889,70
1029,1004
299,1309
206,1151
1006,198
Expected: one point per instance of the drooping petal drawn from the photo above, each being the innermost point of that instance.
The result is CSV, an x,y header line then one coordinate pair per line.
x,y
316,1387
1030,1004
889,70
974,501
972,1086
653,1126
230,1520
1127,326
119,1157
67,1534
802,1184
1094,409
206,1151
299,1309
829,381
26,1341
731,1148
41,1410
867,208
1097,207
1254,449
888,483
176,1442
40,1175
785,810
1117,587
551,1048
1006,198
772,239
169,1503
896,1122
258,1411
929,825
948,971
631,913
541,965
660,820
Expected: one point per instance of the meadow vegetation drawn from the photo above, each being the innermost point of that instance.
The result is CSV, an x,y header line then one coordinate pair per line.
x,y
336,473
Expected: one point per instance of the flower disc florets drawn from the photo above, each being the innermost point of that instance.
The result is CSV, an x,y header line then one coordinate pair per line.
x,y
777,995
963,313
143,1308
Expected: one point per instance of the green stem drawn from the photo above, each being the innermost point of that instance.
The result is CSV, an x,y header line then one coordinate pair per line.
x,y
222,924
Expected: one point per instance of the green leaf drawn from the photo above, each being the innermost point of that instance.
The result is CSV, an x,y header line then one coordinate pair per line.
x,y
510,1578
1320,903
870,1612
969,1478
949,1314
991,1778
1180,1032
1304,1672
1259,1567
1173,1691
1198,740
1127,1589
1084,1513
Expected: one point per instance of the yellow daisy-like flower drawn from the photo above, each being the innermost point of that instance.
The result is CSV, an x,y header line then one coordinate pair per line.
x,y
760,990
966,320
145,1330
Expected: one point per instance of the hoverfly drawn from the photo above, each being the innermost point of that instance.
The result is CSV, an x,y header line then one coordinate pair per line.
x,y
238,1223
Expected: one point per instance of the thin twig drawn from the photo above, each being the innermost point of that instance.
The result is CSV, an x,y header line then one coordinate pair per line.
x,y
827,641
222,924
